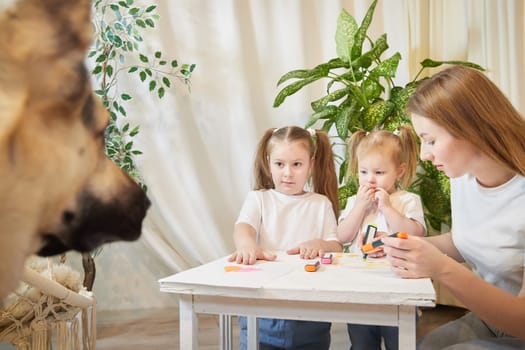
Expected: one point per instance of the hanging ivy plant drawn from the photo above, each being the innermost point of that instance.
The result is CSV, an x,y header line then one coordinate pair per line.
x,y
118,49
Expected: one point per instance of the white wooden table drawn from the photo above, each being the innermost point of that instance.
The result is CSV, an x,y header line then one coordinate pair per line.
x,y
348,291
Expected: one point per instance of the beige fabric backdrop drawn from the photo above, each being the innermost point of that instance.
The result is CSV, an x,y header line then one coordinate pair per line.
x,y
198,147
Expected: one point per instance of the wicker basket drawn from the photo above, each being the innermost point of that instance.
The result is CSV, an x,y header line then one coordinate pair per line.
x,y
44,314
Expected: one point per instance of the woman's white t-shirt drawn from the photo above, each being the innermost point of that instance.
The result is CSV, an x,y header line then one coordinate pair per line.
x,y
488,229
283,221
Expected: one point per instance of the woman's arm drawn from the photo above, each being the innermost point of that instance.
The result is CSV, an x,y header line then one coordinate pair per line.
x,y
416,257
445,244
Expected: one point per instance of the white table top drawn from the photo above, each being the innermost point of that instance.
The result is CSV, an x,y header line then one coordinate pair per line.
x,y
348,280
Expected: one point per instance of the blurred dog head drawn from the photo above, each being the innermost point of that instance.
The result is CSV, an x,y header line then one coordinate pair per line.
x,y
58,189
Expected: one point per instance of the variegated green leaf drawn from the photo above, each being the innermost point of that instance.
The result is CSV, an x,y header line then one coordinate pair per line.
x,y
376,113
296,74
325,113
317,105
360,36
429,63
387,68
292,89
344,35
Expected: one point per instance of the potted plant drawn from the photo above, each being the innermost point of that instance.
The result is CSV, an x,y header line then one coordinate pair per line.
x,y
361,94
118,49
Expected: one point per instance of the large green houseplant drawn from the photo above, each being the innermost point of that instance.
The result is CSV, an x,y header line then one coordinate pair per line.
x,y
118,48
361,94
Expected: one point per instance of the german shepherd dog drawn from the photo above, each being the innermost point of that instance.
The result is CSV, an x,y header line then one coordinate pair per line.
x,y
58,190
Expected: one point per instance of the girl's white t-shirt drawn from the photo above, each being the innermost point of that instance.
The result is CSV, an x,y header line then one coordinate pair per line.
x,y
488,229
283,221
406,203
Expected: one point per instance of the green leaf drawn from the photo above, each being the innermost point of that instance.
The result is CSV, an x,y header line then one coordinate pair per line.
x,y
142,76
373,54
429,63
101,58
150,23
143,58
317,105
151,8
341,122
152,85
158,54
376,113
166,82
296,74
97,70
372,88
125,128
322,114
292,89
174,63
109,70
360,36
125,97
327,125
161,91
387,68
344,35
135,131
133,69
357,93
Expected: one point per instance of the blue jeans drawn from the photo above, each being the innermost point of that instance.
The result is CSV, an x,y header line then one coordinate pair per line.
x,y
277,334
367,337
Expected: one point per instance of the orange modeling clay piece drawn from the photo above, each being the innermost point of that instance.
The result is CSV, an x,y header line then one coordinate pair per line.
x,y
312,267
367,248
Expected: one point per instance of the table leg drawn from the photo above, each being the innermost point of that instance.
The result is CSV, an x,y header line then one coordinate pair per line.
x,y
189,324
407,327
252,330
225,330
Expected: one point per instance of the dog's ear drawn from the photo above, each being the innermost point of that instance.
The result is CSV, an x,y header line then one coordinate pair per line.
x,y
37,37
34,36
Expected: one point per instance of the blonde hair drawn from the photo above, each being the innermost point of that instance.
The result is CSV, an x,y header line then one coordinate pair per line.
x,y
324,178
400,145
469,106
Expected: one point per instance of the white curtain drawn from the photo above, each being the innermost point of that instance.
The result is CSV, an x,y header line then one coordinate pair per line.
x,y
198,146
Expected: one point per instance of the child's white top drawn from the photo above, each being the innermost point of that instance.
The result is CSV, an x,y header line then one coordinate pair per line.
x,y
283,221
488,229
406,203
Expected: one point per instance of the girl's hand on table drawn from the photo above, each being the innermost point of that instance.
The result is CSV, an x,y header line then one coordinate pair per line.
x,y
249,255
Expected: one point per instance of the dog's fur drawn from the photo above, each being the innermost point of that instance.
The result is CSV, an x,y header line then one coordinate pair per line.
x,y
58,191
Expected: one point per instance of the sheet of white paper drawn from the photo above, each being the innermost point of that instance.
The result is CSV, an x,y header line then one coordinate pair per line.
x,y
222,273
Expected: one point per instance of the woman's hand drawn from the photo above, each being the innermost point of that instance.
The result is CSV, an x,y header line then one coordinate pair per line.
x,y
414,257
250,254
